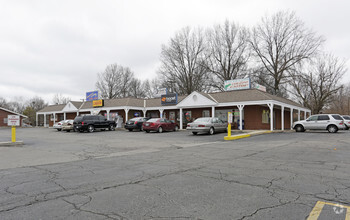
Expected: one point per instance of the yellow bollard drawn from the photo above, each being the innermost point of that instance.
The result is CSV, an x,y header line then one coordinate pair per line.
x,y
13,129
229,129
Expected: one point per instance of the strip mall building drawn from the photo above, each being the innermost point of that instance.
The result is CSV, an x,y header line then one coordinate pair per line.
x,y
259,109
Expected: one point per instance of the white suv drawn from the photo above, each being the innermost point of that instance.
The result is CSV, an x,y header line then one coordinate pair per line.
x,y
330,122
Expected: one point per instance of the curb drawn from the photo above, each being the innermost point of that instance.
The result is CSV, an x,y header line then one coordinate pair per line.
x,y
11,144
255,133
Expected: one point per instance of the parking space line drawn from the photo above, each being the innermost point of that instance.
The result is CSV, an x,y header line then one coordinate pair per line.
x,y
316,211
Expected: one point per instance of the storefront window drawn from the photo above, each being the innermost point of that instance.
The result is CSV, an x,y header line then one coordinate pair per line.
x,y
187,116
266,116
206,113
172,116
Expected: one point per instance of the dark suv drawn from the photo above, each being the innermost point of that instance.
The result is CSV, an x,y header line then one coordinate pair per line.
x,y
92,122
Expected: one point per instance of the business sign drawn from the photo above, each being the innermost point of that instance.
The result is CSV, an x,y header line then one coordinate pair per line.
x,y
169,99
98,103
237,84
230,117
91,95
260,87
160,92
13,120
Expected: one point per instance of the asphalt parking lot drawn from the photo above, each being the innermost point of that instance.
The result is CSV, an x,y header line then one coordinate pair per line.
x,y
134,175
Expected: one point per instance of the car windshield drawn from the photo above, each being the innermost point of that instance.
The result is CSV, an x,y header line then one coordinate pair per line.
x,y
202,120
153,120
78,118
135,119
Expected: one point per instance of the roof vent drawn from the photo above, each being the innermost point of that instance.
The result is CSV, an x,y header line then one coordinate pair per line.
x,y
195,98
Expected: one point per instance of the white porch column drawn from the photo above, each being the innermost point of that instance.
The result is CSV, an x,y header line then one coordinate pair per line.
x,y
144,113
126,114
298,114
77,113
282,116
304,115
213,111
271,116
240,107
54,119
161,113
108,114
291,118
181,124
64,116
44,120
36,120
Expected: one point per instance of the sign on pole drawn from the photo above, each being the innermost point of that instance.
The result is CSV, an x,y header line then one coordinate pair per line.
x,y
237,84
13,120
230,117
91,95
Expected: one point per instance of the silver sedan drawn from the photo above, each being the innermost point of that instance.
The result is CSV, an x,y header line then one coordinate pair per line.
x,y
208,125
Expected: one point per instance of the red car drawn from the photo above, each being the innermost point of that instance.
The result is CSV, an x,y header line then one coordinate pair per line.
x,y
159,125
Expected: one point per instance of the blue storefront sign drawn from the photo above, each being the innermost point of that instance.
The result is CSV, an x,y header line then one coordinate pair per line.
x,y
169,99
91,95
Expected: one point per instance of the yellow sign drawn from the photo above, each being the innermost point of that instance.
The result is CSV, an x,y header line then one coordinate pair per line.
x,y
97,103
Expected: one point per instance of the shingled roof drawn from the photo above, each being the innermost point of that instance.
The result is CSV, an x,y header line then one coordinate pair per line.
x,y
156,102
248,95
53,108
117,103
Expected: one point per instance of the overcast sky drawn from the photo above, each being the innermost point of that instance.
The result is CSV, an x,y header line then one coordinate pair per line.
x,y
49,47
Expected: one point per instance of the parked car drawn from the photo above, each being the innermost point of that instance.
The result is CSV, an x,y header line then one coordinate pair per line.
x,y
159,125
135,123
92,122
330,122
207,125
67,125
346,121
58,125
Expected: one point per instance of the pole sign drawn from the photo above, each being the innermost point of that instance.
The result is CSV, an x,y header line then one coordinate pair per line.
x,y
91,95
230,117
13,120
160,92
237,84
169,99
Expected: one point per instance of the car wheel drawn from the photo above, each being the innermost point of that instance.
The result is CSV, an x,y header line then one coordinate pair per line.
x,y
58,129
332,129
299,128
211,131
147,131
111,128
67,130
91,128
176,128
194,133
160,130
130,129
346,127
141,128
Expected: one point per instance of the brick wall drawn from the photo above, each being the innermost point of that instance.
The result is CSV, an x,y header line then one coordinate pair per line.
x,y
3,115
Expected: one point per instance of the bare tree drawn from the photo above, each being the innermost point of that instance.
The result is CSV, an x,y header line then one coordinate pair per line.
x,y
279,43
316,85
136,89
182,62
60,99
115,81
227,52
341,102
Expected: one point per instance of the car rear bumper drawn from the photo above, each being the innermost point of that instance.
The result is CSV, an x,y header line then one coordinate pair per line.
x,y
198,129
132,126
